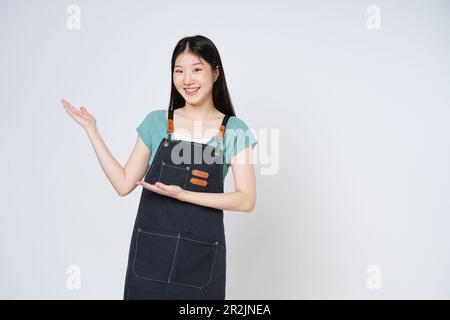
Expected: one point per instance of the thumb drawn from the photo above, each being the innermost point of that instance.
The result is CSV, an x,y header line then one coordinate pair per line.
x,y
83,110
161,185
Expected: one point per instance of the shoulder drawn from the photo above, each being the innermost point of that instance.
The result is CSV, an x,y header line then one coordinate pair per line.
x,y
154,117
238,130
155,114
238,136
237,124
153,120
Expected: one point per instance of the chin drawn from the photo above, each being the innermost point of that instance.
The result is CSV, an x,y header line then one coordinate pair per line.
x,y
193,99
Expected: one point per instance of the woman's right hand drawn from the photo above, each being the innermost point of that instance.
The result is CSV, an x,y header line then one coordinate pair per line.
x,y
82,116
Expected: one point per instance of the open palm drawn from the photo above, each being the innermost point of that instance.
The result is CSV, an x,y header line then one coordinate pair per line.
x,y
82,116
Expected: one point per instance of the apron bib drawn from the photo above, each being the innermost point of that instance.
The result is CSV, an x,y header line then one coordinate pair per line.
x,y
177,249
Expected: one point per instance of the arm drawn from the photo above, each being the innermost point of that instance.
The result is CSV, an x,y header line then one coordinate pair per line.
x,y
123,179
242,199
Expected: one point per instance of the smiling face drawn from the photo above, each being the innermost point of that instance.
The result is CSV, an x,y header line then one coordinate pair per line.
x,y
194,78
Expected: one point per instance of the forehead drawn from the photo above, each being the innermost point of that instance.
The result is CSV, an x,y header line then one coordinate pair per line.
x,y
186,59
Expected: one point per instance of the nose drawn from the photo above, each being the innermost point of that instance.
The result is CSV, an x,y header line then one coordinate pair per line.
x,y
187,79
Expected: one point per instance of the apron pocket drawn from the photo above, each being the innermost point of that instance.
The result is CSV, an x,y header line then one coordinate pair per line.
x,y
175,175
194,262
154,255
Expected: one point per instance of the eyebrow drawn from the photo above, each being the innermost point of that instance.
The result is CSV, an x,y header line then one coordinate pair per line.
x,y
192,64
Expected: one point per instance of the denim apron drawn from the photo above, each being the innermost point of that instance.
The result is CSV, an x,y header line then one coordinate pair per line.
x,y
177,249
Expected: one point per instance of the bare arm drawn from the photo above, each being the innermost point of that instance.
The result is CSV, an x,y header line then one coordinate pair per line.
x,y
123,179
242,199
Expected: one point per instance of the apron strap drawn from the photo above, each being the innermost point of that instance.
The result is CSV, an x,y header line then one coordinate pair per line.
x,y
222,128
170,122
219,137
169,127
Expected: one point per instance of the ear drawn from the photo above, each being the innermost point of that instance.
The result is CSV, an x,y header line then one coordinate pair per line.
x,y
216,73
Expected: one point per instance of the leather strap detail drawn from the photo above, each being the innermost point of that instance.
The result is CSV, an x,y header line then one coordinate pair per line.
x,y
199,182
200,173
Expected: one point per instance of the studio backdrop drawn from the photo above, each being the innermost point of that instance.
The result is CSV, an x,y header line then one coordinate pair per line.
x,y
349,101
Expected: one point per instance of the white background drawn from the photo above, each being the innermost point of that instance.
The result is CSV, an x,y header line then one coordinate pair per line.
x,y
363,157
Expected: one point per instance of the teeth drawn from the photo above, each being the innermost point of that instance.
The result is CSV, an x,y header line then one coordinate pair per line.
x,y
192,90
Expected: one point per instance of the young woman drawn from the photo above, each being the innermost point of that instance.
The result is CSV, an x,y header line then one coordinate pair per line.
x,y
178,248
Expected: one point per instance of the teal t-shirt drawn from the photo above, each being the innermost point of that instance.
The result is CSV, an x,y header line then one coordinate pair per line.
x,y
237,136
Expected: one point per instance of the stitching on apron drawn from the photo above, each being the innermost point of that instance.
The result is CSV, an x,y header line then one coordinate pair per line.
x,y
154,159
174,257
178,236
210,274
168,165
158,234
134,260
204,242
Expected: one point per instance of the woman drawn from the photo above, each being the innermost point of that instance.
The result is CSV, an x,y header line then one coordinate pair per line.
x,y
178,248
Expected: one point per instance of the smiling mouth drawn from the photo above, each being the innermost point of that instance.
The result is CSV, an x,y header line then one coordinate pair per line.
x,y
191,91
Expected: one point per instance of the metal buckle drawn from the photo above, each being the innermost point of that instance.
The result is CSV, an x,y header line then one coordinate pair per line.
x,y
167,140
217,149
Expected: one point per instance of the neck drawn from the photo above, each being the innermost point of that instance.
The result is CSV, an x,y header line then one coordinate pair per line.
x,y
200,112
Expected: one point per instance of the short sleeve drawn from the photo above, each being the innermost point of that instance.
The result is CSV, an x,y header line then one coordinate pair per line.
x,y
146,128
238,136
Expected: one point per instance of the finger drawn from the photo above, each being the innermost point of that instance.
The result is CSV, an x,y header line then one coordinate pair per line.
x,y
83,109
148,185
154,188
71,110
64,102
165,189
68,105
161,185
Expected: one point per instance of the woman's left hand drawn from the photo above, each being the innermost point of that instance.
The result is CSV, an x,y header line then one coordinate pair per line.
x,y
173,191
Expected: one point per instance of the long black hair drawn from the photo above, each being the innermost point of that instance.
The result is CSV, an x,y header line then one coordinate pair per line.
x,y
205,48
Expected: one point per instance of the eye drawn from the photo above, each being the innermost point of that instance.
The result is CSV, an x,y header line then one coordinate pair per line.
x,y
177,71
197,69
